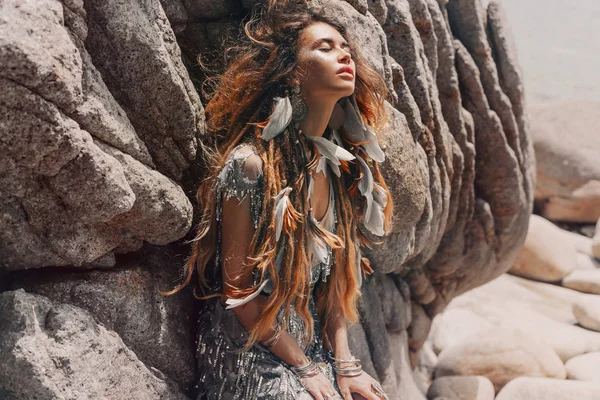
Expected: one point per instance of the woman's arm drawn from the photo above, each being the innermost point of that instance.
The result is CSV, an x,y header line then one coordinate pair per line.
x,y
237,231
337,333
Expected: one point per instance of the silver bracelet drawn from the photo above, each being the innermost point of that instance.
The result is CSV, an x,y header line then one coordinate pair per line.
x,y
306,370
348,371
354,369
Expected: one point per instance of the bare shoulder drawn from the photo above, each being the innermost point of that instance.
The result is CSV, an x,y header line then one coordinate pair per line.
x,y
242,171
249,160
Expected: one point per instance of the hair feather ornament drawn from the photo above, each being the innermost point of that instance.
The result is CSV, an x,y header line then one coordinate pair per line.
x,y
376,198
357,131
232,303
330,154
279,119
285,214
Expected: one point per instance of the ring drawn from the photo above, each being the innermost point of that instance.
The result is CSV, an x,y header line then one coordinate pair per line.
x,y
329,395
378,390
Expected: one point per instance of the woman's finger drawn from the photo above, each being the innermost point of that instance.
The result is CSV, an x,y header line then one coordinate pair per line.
x,y
368,394
346,393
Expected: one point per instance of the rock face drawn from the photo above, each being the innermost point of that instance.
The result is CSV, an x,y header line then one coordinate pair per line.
x,y
51,350
102,121
77,180
568,172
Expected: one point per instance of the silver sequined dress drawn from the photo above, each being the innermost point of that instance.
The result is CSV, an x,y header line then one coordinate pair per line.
x,y
225,372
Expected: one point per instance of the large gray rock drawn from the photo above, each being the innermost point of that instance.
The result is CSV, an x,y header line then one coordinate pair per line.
x,y
587,312
596,241
547,255
548,389
584,280
501,355
58,351
76,181
568,172
125,299
585,367
461,388
541,310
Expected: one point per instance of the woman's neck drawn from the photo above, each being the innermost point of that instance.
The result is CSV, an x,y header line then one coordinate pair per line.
x,y
317,118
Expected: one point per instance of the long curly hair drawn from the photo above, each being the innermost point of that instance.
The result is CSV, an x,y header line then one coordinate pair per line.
x,y
239,108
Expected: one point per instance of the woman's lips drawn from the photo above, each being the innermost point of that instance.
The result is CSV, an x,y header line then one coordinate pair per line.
x,y
347,70
346,73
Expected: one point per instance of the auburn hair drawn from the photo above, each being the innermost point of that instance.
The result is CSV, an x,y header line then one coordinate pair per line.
x,y
240,104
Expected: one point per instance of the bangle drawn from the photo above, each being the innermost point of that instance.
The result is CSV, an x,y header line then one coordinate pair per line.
x,y
306,370
353,369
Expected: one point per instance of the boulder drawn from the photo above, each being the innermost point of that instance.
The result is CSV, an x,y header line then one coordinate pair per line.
x,y
542,310
596,241
548,389
585,367
568,172
461,388
546,255
583,280
587,312
501,355
125,299
56,351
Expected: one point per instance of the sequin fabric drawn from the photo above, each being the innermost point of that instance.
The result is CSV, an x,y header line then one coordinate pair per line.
x,y
225,372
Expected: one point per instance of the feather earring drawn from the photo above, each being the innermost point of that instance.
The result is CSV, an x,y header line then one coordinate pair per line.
x,y
299,107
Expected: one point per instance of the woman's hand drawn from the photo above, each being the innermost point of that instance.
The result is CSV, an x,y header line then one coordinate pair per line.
x,y
360,384
320,386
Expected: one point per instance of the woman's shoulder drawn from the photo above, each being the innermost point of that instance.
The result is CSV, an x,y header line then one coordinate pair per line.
x,y
242,171
248,160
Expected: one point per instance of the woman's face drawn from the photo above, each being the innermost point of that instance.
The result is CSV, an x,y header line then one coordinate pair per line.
x,y
322,53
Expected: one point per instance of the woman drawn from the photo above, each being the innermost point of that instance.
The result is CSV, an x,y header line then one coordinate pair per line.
x,y
293,181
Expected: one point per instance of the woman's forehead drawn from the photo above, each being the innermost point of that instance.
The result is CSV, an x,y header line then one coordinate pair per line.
x,y
319,30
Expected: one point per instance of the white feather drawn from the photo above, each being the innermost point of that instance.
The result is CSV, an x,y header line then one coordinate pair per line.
x,y
280,118
357,131
281,203
317,246
330,153
232,303
373,215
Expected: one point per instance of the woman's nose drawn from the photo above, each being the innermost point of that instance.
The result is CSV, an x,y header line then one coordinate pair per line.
x,y
345,57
